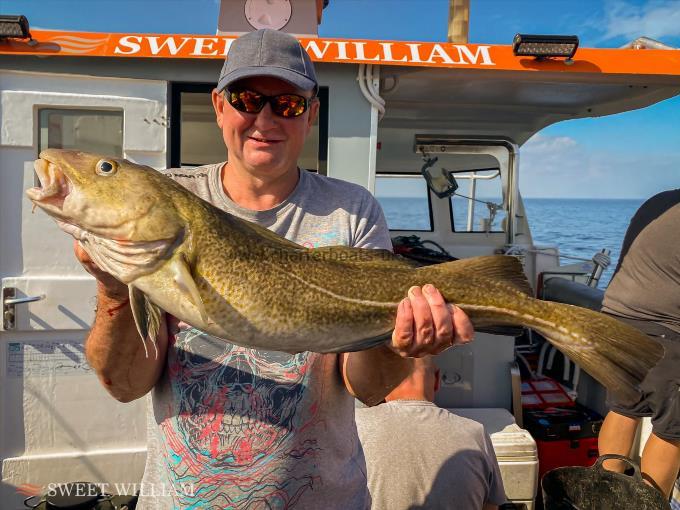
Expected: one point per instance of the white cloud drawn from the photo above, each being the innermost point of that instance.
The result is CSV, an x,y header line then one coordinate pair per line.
x,y
559,166
655,19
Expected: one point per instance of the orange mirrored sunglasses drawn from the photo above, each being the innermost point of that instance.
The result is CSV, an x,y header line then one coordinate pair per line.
x,y
283,105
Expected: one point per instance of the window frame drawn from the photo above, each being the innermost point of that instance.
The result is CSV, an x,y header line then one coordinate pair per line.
x,y
504,209
427,192
39,109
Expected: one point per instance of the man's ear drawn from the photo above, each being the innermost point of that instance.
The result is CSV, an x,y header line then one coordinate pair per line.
x,y
437,380
313,113
218,105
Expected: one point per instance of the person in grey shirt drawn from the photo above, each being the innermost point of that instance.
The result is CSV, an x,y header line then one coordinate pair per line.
x,y
230,427
420,456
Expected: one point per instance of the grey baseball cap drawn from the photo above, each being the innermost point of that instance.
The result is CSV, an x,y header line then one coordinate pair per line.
x,y
272,53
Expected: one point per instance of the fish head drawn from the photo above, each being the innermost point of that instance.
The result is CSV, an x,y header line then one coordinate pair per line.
x,y
109,197
124,215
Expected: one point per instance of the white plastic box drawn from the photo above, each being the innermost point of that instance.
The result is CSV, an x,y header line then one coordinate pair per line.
x,y
515,450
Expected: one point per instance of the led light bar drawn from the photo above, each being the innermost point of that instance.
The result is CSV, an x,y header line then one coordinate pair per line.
x,y
544,46
14,27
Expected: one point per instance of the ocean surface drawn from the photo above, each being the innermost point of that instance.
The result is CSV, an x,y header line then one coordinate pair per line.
x,y
579,227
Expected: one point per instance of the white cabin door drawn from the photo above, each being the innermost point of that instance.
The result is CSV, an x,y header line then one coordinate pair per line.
x,y
57,424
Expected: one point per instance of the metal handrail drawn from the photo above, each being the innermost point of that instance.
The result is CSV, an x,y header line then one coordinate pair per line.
x,y
472,176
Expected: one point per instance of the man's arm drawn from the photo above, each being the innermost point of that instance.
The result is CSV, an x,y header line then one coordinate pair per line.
x,y
113,347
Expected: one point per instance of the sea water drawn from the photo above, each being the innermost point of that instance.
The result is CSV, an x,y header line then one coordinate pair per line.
x,y
582,227
579,227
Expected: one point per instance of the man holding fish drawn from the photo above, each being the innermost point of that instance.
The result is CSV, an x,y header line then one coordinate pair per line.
x,y
221,284
234,427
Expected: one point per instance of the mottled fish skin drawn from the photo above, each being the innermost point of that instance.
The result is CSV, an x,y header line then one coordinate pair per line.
x,y
243,283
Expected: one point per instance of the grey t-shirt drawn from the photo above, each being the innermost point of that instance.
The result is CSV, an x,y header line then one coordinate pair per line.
x,y
420,456
646,282
231,427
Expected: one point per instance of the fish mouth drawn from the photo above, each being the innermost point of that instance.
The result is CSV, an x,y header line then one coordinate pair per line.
x,y
54,187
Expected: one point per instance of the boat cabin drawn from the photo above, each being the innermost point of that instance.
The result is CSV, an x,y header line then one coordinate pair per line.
x,y
392,113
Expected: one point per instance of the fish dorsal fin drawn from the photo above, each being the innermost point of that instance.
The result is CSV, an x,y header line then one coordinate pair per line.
x,y
494,267
187,286
147,317
364,256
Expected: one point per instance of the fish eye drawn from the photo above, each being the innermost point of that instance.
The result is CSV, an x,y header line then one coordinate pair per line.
x,y
106,167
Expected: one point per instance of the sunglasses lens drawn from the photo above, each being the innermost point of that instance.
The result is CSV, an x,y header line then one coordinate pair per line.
x,y
284,105
289,105
246,100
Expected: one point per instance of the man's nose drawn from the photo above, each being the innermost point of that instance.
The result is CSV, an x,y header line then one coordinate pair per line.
x,y
265,119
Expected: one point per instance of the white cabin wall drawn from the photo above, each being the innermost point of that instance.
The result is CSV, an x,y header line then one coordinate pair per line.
x,y
56,421
21,96
349,125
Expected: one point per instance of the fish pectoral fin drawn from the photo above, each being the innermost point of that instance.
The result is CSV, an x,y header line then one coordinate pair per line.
x,y
187,286
147,317
137,299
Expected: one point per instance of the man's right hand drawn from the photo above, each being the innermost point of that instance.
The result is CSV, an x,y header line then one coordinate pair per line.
x,y
106,282
113,348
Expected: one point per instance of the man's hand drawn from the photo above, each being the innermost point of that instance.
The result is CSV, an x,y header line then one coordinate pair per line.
x,y
113,348
426,324
107,284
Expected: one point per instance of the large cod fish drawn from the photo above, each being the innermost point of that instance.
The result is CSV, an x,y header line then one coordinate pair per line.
x,y
241,282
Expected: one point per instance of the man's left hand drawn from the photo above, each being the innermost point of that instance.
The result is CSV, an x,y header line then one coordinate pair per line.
x,y
426,324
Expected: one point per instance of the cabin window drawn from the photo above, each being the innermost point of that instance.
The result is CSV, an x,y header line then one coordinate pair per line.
x,y
477,205
405,201
200,138
98,131
197,140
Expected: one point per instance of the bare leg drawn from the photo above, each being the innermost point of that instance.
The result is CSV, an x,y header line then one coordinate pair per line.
x,y
661,462
617,436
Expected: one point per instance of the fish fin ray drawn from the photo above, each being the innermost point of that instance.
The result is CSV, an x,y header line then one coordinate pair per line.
x,y
187,286
138,307
505,268
147,318
618,355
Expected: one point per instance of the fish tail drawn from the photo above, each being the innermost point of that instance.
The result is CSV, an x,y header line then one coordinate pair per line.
x,y
616,354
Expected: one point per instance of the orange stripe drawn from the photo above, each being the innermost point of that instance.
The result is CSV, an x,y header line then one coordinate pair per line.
x,y
354,51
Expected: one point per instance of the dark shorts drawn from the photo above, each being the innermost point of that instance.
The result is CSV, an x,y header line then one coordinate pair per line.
x,y
660,397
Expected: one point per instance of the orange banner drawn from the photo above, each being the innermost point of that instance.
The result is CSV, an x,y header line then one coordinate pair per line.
x,y
353,51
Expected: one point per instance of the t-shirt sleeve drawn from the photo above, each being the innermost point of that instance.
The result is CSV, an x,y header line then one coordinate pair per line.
x,y
496,495
371,228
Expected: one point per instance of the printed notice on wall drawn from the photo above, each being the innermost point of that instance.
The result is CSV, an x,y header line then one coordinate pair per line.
x,y
46,359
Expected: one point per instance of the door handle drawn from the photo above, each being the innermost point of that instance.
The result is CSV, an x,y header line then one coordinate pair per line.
x,y
20,300
9,301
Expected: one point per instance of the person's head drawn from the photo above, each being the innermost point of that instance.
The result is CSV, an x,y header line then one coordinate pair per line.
x,y
421,383
264,134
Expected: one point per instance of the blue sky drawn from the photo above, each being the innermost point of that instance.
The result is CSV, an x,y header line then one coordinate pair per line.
x,y
630,155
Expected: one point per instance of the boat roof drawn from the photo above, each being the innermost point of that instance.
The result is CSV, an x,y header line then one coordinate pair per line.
x,y
462,88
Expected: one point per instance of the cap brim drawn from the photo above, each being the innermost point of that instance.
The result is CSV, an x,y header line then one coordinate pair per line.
x,y
295,79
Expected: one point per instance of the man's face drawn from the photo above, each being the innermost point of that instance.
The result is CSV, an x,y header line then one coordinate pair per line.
x,y
263,143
